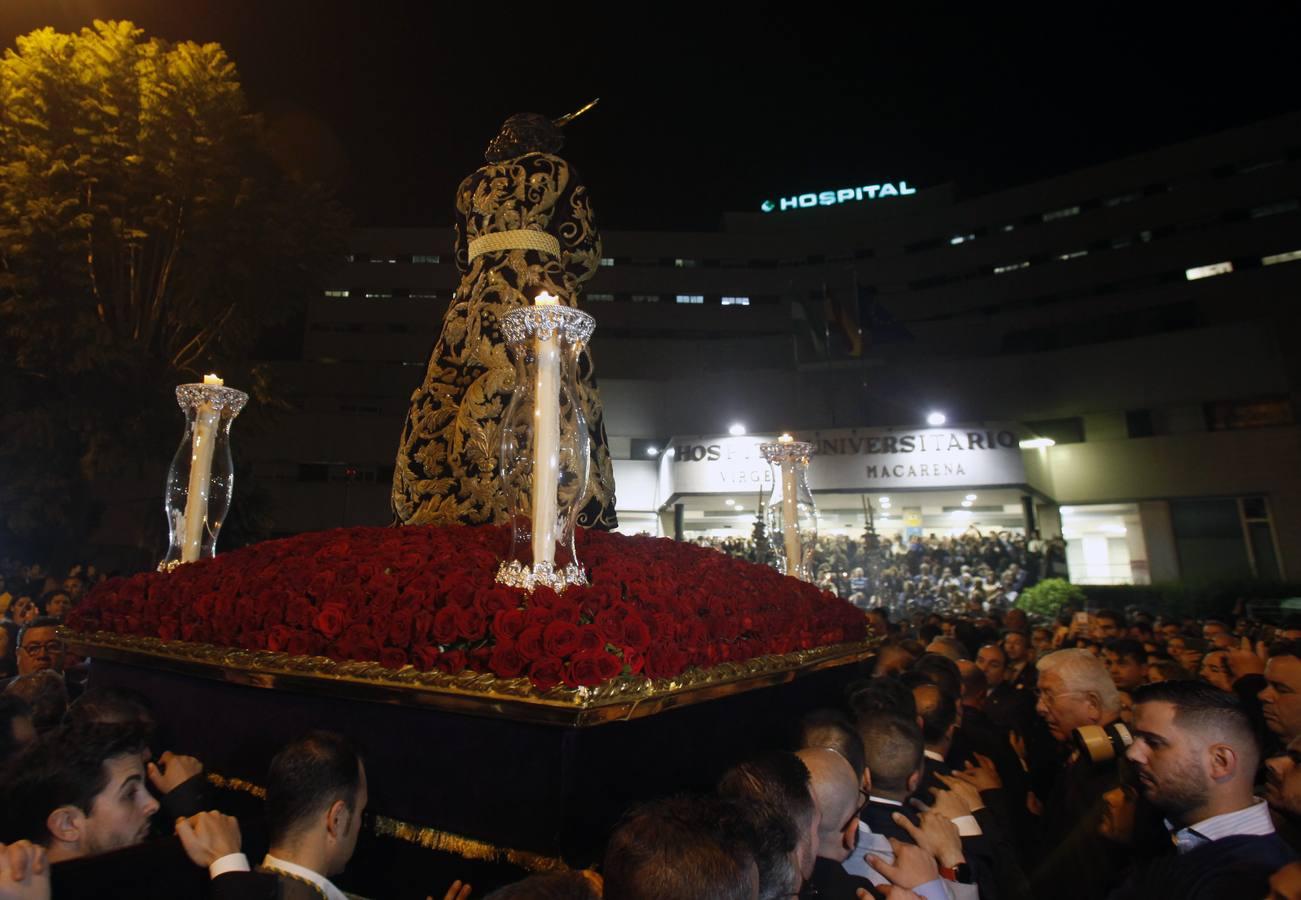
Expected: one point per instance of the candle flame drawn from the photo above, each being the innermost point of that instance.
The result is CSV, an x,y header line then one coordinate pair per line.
x,y
546,299
213,380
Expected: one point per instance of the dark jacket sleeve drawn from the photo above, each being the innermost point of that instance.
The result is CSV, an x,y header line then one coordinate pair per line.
x,y
244,886
188,798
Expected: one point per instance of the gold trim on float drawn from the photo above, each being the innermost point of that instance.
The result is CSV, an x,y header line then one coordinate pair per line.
x,y
474,693
428,838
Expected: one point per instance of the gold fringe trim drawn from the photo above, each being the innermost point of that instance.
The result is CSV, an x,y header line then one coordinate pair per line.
x,y
428,838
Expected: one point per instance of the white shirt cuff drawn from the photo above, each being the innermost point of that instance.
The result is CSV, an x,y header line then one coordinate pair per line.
x,y
967,826
932,890
231,862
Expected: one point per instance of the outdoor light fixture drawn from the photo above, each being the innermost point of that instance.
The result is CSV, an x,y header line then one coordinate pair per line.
x,y
651,451
1031,443
936,418
730,502
966,502
736,429
969,497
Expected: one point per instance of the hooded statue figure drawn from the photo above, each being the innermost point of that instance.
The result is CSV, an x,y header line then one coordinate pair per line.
x,y
523,225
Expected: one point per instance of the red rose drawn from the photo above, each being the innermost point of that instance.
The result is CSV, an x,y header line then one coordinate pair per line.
x,y
452,662
610,623
506,661
392,658
458,593
507,624
560,639
591,669
424,656
445,629
564,610
330,620
399,628
495,599
421,624
538,615
278,638
589,639
298,644
169,629
546,673
636,636
471,623
530,642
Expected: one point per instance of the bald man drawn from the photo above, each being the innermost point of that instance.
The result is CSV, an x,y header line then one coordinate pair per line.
x,y
839,798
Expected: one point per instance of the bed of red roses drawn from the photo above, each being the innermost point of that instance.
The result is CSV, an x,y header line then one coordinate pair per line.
x,y
424,596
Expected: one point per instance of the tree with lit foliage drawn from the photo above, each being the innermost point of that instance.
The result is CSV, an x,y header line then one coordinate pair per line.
x,y
147,232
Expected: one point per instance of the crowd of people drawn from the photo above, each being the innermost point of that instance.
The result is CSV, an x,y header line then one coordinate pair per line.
x,y
29,592
976,756
972,571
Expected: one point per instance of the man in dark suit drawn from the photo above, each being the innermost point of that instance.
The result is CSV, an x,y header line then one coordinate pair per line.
x,y
1196,753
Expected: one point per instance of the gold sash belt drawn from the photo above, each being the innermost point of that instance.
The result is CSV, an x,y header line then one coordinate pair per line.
x,y
519,239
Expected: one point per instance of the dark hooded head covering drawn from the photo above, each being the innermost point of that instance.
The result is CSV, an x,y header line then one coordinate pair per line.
x,y
524,133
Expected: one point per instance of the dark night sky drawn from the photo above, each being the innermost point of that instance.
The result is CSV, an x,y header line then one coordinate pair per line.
x,y
700,113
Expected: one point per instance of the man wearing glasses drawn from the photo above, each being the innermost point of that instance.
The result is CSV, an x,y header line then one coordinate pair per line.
x,y
39,647
838,797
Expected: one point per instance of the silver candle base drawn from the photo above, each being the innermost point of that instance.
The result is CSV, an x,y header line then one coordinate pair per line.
x,y
544,574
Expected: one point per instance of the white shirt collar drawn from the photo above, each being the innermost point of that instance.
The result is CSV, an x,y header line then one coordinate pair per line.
x,y
1253,819
933,754
884,801
284,865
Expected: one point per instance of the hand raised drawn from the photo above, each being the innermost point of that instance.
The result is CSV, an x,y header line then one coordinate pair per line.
x,y
965,790
456,891
982,774
912,865
24,872
172,770
936,835
208,836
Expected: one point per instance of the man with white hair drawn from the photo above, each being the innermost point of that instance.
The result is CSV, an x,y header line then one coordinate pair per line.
x,y
1075,690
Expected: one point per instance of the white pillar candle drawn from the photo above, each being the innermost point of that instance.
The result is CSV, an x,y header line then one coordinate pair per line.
x,y
790,513
546,443
207,418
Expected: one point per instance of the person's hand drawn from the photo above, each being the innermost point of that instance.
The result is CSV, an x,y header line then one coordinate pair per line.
x,y
1033,804
935,834
890,891
981,774
457,891
1017,740
965,790
912,865
173,770
24,872
1243,662
208,836
1120,807
947,803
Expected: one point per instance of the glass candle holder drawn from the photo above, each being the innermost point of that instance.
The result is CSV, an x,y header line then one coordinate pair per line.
x,y
792,516
545,446
202,474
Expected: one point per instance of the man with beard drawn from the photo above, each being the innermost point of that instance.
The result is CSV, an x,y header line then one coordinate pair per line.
x,y
1196,755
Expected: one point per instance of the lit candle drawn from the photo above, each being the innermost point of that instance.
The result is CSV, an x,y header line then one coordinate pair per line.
x,y
213,380
790,513
546,443
206,420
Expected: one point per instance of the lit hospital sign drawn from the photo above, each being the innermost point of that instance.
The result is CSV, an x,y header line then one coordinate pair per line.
x,y
852,460
842,195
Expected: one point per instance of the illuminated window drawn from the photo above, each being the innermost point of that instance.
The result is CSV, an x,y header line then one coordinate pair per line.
x,y
1012,267
385,259
1273,209
1219,268
425,259
423,295
691,298
961,239
379,295
736,301
336,293
607,260
1290,256
600,298
1122,199
645,298
1073,254
350,257
1061,213
684,263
